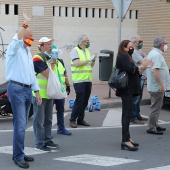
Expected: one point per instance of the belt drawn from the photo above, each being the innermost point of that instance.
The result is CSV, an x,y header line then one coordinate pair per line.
x,y
20,84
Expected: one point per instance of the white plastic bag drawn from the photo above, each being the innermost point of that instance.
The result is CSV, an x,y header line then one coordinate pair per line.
x,y
55,88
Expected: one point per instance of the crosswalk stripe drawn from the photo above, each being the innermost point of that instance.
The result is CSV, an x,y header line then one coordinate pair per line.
x,y
104,161
160,168
113,118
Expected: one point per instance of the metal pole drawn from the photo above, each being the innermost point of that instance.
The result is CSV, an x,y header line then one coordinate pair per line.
x,y
120,21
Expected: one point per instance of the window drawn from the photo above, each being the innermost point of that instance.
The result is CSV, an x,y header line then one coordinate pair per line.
x,y
130,14
59,11
86,12
53,10
106,13
15,9
79,12
66,12
72,11
99,12
136,14
93,12
112,13
7,9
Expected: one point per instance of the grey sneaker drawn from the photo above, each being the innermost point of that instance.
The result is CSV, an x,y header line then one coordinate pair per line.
x,y
50,144
138,122
42,149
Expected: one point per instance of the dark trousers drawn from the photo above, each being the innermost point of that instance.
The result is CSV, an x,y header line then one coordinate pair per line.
x,y
83,91
59,105
126,115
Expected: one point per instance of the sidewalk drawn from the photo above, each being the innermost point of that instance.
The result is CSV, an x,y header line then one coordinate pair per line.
x,y
106,99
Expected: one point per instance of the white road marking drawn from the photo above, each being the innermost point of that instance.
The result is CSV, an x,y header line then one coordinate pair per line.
x,y
27,150
96,160
160,168
113,118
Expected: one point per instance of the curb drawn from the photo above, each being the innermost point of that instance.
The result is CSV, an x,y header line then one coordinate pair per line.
x,y
117,104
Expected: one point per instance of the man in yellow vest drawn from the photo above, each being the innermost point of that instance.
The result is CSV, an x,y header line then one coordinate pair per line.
x,y
81,69
59,103
43,113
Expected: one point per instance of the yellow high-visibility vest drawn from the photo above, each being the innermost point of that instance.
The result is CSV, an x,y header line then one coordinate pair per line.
x,y
81,73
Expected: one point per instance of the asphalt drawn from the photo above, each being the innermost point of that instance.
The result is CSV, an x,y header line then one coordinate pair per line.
x,y
106,96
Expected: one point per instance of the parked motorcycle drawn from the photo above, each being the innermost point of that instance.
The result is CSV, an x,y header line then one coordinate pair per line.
x,y
5,106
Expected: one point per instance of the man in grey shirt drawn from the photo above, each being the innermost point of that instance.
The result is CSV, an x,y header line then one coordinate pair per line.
x,y
138,56
158,80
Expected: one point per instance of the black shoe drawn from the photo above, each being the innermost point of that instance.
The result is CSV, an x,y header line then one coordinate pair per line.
x,y
130,148
160,128
135,144
28,158
21,163
154,132
82,122
142,118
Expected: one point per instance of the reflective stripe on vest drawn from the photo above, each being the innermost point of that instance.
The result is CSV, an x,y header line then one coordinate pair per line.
x,y
82,73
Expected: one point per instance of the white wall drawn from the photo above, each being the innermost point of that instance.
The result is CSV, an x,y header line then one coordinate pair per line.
x,y
103,34
9,23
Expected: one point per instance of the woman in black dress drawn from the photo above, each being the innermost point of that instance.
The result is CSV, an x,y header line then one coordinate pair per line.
x,y
125,62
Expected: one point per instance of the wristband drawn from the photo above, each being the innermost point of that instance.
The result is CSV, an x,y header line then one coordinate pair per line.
x,y
24,25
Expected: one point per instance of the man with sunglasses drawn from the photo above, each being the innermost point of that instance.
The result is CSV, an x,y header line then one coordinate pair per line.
x,y
138,56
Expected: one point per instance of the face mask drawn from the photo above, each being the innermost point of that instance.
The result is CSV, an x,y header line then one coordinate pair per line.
x,y
88,45
130,52
46,53
28,41
140,46
165,47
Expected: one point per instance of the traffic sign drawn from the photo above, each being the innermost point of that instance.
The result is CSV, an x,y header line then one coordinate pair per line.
x,y
122,5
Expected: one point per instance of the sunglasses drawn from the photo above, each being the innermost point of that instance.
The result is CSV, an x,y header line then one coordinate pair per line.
x,y
140,41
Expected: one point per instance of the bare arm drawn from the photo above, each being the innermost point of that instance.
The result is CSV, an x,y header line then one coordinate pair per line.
x,y
157,77
22,31
66,79
79,63
45,73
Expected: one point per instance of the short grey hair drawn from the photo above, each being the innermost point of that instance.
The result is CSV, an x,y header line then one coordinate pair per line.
x,y
158,41
81,38
133,39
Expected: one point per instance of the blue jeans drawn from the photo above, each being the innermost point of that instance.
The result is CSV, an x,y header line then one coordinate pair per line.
x,y
42,123
20,99
59,105
83,91
136,103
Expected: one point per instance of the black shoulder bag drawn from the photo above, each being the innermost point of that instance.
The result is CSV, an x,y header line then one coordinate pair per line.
x,y
118,79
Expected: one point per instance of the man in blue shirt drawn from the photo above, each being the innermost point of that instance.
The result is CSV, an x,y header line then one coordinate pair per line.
x,y
21,82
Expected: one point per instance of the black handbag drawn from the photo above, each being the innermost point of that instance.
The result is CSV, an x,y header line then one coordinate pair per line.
x,y
118,79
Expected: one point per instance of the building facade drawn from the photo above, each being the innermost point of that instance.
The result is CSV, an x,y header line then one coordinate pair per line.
x,y
65,20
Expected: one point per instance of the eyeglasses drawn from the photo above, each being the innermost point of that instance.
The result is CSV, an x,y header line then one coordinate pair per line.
x,y
87,41
141,41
